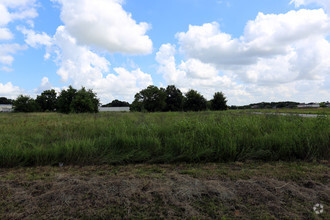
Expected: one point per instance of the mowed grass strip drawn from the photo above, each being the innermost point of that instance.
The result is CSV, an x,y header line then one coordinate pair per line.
x,y
121,138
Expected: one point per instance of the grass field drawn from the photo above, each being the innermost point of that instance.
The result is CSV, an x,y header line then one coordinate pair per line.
x,y
316,111
206,165
121,138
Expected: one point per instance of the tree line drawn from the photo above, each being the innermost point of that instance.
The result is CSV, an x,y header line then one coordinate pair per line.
x,y
154,99
150,99
68,101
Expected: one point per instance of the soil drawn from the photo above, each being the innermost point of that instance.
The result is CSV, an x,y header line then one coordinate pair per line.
x,y
179,191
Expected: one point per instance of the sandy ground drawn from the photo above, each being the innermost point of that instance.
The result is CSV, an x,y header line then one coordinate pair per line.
x,y
180,191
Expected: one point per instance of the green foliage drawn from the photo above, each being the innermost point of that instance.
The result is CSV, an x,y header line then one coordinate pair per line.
x,y
194,101
174,99
5,101
65,99
324,104
117,103
150,99
25,104
84,101
263,105
73,101
219,102
47,100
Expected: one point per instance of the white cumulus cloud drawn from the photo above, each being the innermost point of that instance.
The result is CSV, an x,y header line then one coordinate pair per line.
x,y
80,66
5,34
323,3
192,74
279,57
274,48
9,90
34,39
106,25
6,52
11,10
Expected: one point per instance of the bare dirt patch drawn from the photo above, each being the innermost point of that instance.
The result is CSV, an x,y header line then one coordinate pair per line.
x,y
209,191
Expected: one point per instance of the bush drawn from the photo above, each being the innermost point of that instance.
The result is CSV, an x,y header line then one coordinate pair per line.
x,y
25,104
194,101
73,101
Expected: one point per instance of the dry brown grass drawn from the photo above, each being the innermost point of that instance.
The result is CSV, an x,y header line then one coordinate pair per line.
x,y
209,191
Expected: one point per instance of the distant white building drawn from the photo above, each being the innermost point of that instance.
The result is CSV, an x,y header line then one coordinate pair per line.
x,y
311,105
113,109
6,108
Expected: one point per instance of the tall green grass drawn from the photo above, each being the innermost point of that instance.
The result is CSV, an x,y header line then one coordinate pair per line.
x,y
46,139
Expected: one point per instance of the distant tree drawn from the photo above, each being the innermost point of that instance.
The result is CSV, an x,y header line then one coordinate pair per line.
x,y
194,101
137,104
219,102
84,101
209,105
150,99
47,100
65,99
117,103
5,101
25,104
174,99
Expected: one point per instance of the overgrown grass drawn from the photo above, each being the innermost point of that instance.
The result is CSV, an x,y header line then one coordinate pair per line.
x,y
316,111
111,138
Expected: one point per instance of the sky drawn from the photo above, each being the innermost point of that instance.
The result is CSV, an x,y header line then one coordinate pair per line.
x,y
252,51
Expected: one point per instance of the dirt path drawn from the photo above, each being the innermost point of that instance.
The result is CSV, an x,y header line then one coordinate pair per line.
x,y
209,191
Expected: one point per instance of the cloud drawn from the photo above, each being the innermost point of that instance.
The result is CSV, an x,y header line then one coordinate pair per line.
x,y
34,40
10,91
7,69
4,15
279,57
274,48
80,66
44,85
106,25
266,36
17,3
6,51
5,34
323,3
196,69
11,10
192,74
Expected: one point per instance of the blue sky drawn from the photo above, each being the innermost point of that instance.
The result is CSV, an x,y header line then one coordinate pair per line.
x,y
258,50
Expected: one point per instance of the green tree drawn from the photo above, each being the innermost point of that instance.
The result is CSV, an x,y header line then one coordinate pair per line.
x,y
150,99
84,101
219,102
117,103
47,100
4,100
194,101
323,105
64,100
174,99
25,104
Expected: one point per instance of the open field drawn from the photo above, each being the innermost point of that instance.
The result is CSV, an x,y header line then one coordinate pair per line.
x,y
316,111
206,165
121,138
276,190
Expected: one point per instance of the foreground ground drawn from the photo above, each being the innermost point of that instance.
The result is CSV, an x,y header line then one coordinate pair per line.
x,y
250,190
